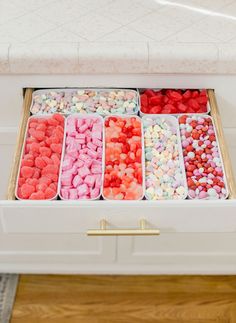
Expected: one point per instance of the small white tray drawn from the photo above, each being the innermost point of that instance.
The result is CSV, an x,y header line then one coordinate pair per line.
x,y
142,160
81,116
70,90
142,114
23,150
221,159
174,122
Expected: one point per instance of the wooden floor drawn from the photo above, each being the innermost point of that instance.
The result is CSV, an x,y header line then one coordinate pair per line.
x,y
125,299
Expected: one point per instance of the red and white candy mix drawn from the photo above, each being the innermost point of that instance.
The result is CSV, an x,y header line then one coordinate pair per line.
x,y
167,101
204,170
123,179
39,168
84,173
81,176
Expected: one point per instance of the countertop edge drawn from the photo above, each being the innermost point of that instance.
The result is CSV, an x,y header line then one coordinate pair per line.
x,y
118,58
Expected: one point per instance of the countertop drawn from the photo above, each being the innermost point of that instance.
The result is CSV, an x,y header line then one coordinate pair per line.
x,y
117,36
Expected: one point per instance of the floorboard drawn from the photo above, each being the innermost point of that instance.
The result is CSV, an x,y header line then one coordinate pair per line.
x,y
125,299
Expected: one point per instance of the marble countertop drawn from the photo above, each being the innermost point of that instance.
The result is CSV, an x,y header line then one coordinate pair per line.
x,y
117,36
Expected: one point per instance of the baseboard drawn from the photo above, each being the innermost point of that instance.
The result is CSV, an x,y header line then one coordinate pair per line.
x,y
206,268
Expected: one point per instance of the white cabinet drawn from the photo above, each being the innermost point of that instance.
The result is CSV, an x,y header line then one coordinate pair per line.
x,y
50,236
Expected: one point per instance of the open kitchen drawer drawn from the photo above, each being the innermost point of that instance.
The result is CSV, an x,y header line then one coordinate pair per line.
x,y
62,217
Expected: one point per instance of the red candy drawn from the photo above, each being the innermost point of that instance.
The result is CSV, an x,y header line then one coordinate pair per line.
x,y
37,196
45,151
27,172
39,170
123,176
49,193
27,190
173,101
56,148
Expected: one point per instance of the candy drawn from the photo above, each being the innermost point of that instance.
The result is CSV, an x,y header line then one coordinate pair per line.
x,y
164,168
82,162
203,165
27,172
39,167
45,151
103,102
50,193
123,177
27,190
37,196
173,101
56,148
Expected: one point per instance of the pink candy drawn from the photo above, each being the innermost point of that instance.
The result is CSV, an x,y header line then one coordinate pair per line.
x,y
81,176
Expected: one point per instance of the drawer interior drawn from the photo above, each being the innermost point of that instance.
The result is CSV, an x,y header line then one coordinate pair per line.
x,y
214,113
77,217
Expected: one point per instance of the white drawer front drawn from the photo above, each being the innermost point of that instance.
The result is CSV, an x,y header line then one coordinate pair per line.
x,y
68,217
193,250
56,248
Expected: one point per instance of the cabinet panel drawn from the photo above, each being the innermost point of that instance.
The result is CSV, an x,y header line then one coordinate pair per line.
x,y
180,250
56,248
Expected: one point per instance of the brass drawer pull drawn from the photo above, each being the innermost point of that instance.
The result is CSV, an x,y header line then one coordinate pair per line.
x,y
142,231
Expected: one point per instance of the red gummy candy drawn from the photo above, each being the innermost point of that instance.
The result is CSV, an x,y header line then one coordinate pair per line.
x,y
167,108
59,118
202,100
155,100
53,186
41,187
202,109
47,160
30,140
39,135
27,190
52,177
195,94
40,163
155,109
50,169
57,133
21,181
182,107
33,124
50,193
37,196
144,100
149,93
175,96
53,122
56,148
45,151
193,104
45,180
34,147
42,121
41,127
36,173
27,171
32,181
187,95
55,159
26,162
